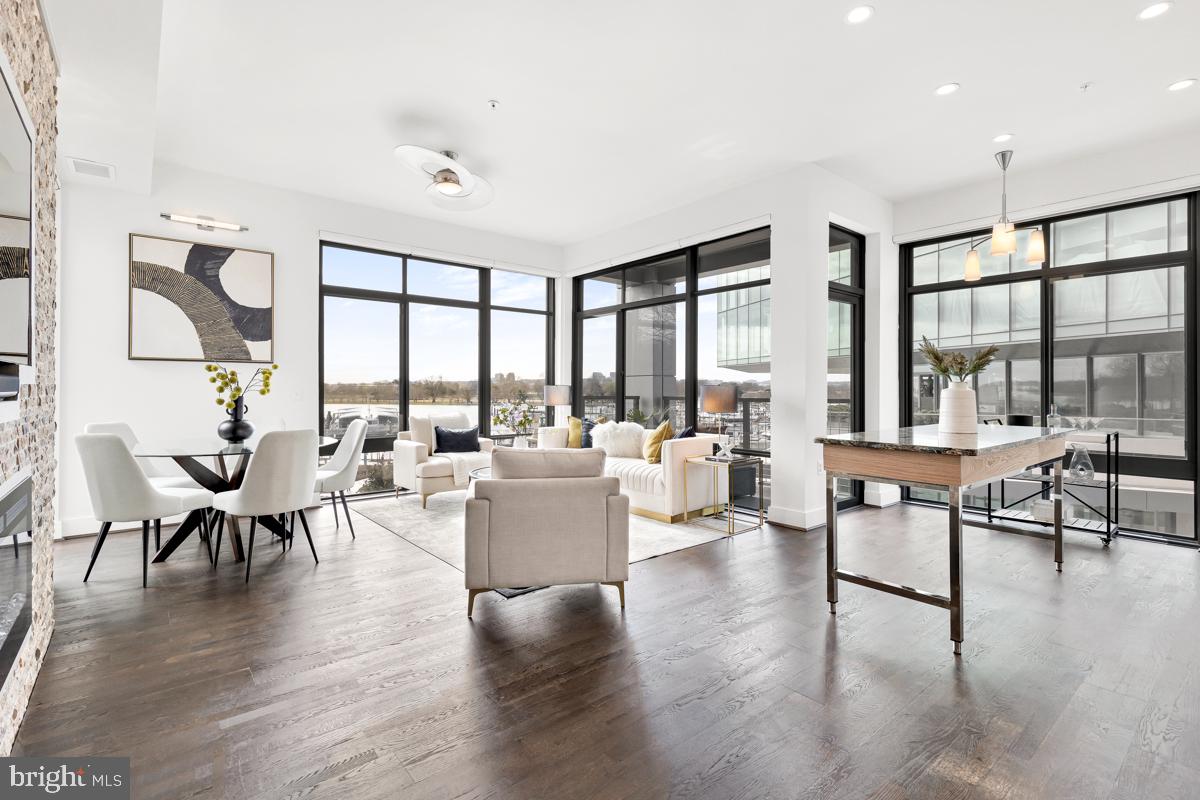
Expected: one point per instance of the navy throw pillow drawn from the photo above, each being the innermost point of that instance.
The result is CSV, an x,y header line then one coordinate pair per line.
x,y
687,433
585,439
451,440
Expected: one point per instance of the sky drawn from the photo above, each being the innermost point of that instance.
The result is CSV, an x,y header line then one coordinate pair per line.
x,y
362,337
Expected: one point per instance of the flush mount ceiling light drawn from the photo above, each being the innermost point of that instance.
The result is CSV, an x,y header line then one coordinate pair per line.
x,y
452,186
1154,10
204,223
1004,233
860,14
1002,138
945,89
1179,86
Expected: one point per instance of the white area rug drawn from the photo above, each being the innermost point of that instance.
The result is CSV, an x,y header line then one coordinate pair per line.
x,y
438,529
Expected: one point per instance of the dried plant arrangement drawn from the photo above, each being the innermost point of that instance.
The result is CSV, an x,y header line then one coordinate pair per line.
x,y
954,365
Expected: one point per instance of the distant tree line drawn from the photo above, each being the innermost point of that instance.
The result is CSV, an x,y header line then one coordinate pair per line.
x,y
436,390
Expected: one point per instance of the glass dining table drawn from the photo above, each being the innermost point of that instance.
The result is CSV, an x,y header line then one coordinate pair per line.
x,y
189,454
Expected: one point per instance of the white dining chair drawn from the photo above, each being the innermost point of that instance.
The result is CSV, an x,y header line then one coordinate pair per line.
x,y
339,472
279,480
160,477
121,492
155,470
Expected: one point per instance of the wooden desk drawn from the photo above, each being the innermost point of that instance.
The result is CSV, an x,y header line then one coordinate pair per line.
x,y
922,457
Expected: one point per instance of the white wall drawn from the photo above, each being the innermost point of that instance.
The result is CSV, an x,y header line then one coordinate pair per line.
x,y
165,399
799,205
1145,169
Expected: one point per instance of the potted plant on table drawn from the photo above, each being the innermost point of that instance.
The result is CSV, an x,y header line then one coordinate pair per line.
x,y
518,416
957,411
231,395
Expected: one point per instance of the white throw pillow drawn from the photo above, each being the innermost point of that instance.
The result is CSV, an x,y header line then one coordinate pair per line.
x,y
619,439
602,435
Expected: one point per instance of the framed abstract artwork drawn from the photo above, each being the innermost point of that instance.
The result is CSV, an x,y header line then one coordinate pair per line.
x,y
190,301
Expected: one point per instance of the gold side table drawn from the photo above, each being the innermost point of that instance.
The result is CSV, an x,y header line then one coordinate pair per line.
x,y
727,515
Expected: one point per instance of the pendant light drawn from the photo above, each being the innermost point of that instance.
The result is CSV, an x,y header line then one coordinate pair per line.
x,y
972,271
1036,253
1004,233
1004,236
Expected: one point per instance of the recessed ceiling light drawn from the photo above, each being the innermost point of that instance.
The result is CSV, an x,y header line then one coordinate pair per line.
x,y
860,14
946,88
1155,10
1179,86
1003,137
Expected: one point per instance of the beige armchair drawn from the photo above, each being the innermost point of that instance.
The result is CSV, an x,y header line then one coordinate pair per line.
x,y
546,517
416,465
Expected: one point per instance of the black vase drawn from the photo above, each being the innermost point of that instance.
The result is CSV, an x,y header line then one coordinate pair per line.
x,y
236,429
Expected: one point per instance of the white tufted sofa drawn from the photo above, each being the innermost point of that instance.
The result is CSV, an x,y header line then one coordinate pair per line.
x,y
656,490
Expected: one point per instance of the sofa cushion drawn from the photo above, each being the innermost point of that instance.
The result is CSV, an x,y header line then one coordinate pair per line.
x,y
585,433
636,475
619,439
508,463
687,433
574,432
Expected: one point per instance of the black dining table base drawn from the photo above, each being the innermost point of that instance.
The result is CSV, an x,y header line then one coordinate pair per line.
x,y
215,483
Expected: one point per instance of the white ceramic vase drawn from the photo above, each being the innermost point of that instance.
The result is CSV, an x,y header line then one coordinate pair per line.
x,y
957,412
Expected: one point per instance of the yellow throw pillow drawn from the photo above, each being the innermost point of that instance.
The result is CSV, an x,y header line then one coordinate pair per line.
x,y
574,432
652,447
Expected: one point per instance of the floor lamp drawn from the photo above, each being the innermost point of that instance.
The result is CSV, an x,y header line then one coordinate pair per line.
x,y
719,398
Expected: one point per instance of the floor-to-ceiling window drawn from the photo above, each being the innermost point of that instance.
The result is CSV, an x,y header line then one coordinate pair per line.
x,y
652,332
521,332
1101,334
403,335
844,337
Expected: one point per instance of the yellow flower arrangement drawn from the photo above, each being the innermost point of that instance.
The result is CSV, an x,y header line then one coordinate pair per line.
x,y
228,383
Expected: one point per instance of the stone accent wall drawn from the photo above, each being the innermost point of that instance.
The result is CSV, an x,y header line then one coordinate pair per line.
x,y
29,442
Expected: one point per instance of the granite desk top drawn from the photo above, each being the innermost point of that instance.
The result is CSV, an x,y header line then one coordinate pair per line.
x,y
927,439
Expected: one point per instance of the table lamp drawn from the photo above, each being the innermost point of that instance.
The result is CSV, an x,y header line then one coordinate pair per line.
x,y
719,398
557,396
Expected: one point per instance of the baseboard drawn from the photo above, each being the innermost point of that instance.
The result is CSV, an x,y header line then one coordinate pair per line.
x,y
795,518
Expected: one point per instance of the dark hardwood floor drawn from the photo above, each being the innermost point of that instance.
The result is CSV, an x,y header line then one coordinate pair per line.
x,y
726,677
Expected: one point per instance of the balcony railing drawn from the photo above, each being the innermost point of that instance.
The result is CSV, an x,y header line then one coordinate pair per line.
x,y
749,428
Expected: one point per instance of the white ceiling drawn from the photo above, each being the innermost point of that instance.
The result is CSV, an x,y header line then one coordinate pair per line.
x,y
615,111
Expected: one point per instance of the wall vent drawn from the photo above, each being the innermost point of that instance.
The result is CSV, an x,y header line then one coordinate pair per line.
x,y
93,169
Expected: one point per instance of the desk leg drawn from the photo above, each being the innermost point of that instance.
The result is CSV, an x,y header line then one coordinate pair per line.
x,y
956,565
1058,540
831,587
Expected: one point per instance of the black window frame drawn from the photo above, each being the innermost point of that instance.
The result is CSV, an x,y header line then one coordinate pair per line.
x,y
854,294
690,298
404,301
1048,276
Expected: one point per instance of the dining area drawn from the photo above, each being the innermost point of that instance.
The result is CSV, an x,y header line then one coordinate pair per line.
x,y
214,489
